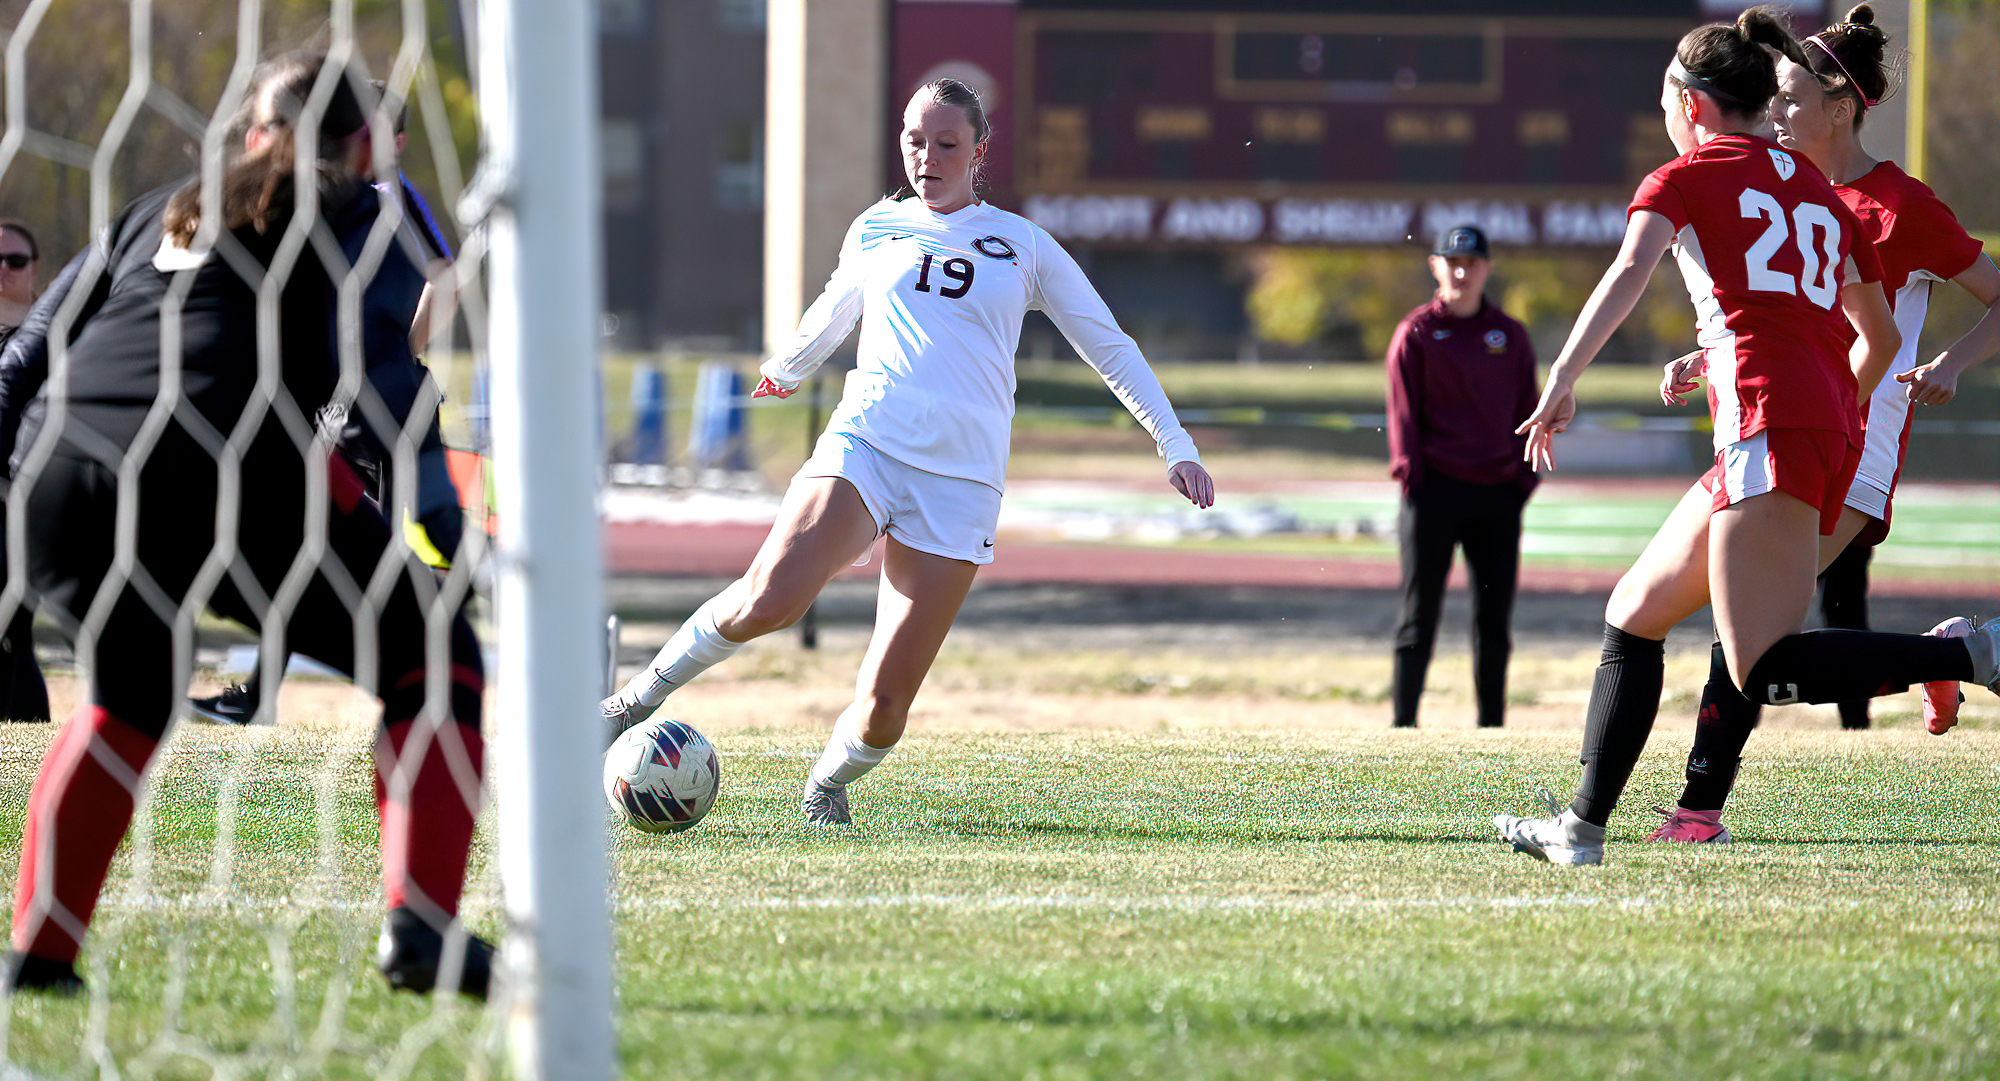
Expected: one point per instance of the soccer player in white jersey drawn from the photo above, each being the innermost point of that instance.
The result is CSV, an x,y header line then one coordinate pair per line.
x,y
939,282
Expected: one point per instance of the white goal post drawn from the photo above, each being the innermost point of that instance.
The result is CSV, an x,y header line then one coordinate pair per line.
x,y
537,92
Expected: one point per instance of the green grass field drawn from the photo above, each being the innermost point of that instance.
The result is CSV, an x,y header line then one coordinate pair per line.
x,y
1084,863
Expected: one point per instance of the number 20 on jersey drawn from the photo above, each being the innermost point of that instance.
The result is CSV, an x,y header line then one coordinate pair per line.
x,y
1818,279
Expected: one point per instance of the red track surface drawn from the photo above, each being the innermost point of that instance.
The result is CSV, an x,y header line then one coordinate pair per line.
x,y
724,551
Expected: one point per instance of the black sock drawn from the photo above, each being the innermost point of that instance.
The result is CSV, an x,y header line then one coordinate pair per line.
x,y
1844,600
1720,731
1833,665
1624,699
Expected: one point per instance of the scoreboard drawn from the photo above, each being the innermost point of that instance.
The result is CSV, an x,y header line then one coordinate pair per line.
x,y
1172,127
1355,103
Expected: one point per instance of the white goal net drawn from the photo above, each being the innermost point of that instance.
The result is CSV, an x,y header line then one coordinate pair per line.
x,y
405,525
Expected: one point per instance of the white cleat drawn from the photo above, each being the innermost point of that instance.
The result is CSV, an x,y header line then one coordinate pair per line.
x,y
1984,645
1562,838
621,713
825,805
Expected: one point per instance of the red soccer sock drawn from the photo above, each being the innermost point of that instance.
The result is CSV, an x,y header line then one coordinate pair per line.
x,y
77,813
427,810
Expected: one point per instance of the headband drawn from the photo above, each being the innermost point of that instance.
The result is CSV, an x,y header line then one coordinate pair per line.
x,y
1679,73
1820,40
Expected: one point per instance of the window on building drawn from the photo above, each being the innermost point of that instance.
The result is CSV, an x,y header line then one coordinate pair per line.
x,y
740,16
621,16
739,168
624,151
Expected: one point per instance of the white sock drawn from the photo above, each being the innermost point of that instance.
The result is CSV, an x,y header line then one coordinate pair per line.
x,y
846,758
693,649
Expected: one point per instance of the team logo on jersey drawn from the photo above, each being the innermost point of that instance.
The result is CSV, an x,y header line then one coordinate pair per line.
x,y
1784,164
1440,335
1496,341
994,248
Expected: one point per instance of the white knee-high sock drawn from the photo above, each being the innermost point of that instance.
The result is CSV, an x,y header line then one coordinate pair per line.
x,y
846,758
693,649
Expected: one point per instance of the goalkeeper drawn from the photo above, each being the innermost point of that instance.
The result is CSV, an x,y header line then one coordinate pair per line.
x,y
399,308
225,434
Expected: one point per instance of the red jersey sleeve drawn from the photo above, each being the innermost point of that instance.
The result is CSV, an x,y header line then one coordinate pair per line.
x,y
1915,233
1658,194
1928,237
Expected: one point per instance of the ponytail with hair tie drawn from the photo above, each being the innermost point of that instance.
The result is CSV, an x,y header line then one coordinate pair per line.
x,y
1732,62
1763,25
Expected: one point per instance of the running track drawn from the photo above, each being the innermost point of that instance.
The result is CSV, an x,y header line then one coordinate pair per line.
x,y
725,550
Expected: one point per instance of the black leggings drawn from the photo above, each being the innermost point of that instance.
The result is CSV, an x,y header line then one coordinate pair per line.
x,y
72,530
23,695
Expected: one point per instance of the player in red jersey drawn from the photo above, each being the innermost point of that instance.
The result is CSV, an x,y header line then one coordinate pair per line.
x,y
1773,261
1819,111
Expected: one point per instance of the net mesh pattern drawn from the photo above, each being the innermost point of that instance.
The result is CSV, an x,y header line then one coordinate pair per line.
x,y
236,933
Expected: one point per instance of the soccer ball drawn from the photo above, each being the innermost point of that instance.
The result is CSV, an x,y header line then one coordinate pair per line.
x,y
662,775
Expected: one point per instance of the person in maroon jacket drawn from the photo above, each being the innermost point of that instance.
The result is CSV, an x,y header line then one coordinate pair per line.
x,y
1461,375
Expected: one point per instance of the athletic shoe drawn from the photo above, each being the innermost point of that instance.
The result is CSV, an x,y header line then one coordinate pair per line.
x,y
1692,827
27,972
411,954
1983,642
1942,699
826,805
1562,838
620,714
237,705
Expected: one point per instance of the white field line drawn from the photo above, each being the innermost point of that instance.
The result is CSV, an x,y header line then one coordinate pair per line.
x,y
1239,903
244,905
905,753
1248,904
1232,904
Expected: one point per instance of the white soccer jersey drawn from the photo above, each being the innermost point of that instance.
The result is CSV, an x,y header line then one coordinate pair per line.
x,y
940,298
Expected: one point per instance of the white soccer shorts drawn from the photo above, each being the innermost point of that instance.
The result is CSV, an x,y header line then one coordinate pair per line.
x,y
945,516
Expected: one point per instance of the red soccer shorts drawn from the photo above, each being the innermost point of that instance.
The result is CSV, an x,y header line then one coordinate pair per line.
x,y
1816,467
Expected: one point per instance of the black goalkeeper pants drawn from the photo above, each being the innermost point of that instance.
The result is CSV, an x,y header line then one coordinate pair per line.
x,y
1484,519
126,639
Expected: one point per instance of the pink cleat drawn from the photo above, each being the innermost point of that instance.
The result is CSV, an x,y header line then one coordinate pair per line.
x,y
1692,827
1942,699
